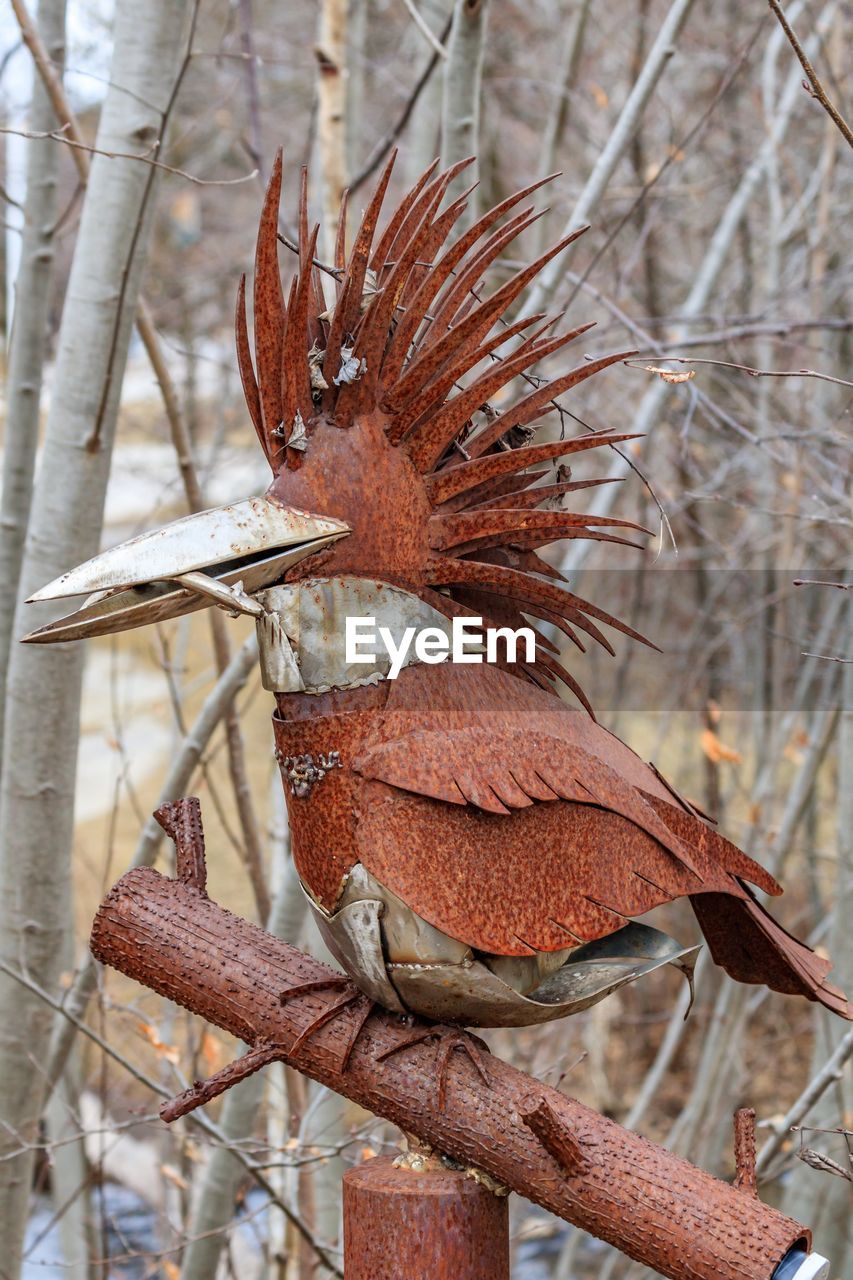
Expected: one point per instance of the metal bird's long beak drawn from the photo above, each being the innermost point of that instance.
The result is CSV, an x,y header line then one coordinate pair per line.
x,y
219,556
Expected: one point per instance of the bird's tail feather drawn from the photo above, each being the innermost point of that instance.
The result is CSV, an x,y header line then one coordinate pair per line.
x,y
751,946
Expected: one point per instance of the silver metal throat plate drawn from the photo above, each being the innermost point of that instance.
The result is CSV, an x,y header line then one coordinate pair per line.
x,y
302,635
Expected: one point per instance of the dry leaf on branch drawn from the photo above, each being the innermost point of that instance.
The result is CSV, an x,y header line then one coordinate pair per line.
x,y
211,1052
167,1051
716,750
667,375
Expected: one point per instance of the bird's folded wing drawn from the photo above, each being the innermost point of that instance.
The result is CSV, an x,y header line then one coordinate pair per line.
x,y
541,842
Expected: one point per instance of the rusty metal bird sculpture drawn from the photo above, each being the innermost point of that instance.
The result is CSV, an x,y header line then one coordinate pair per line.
x,y
475,849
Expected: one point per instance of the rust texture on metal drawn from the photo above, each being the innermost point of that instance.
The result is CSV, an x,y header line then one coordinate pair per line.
x,y
181,820
461,790
650,1204
744,1125
439,1223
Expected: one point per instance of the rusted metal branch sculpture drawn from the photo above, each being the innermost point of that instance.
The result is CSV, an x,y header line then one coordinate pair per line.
x,y
648,1203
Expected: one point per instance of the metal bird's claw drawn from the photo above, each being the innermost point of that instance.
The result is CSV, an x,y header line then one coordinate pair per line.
x,y
350,998
449,1038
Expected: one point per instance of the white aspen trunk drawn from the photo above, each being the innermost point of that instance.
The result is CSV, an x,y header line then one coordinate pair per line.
x,y
460,112
827,1199
560,109
423,137
213,1211
614,149
331,114
324,1128
652,407
70,1183
357,55
69,1178
43,687
28,341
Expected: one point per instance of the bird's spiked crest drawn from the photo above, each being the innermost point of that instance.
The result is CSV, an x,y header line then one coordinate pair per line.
x,y
376,409
372,400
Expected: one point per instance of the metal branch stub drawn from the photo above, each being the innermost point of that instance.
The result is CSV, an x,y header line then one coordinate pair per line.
x,y
181,820
303,772
745,1179
556,1139
203,1091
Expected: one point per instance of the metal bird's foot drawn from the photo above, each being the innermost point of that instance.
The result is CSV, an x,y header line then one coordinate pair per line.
x,y
449,1038
350,997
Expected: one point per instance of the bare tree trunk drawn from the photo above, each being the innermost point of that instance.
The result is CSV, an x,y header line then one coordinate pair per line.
x,y
825,1198
70,1178
423,137
43,699
247,45
460,113
614,149
561,88
29,334
331,55
213,1212
358,36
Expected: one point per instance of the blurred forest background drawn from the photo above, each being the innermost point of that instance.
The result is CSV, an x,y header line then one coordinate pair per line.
x,y
136,142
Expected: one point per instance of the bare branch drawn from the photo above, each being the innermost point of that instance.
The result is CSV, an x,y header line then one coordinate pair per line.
x,y
813,1091
817,88
431,39
201,1121
753,373
59,135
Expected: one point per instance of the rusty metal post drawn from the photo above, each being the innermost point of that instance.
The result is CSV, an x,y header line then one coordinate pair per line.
x,y
435,1224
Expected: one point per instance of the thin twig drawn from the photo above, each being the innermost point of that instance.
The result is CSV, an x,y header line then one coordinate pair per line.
x,y
334,272
198,1119
753,373
814,1090
7,199
430,37
60,135
189,756
772,329
817,89
677,149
